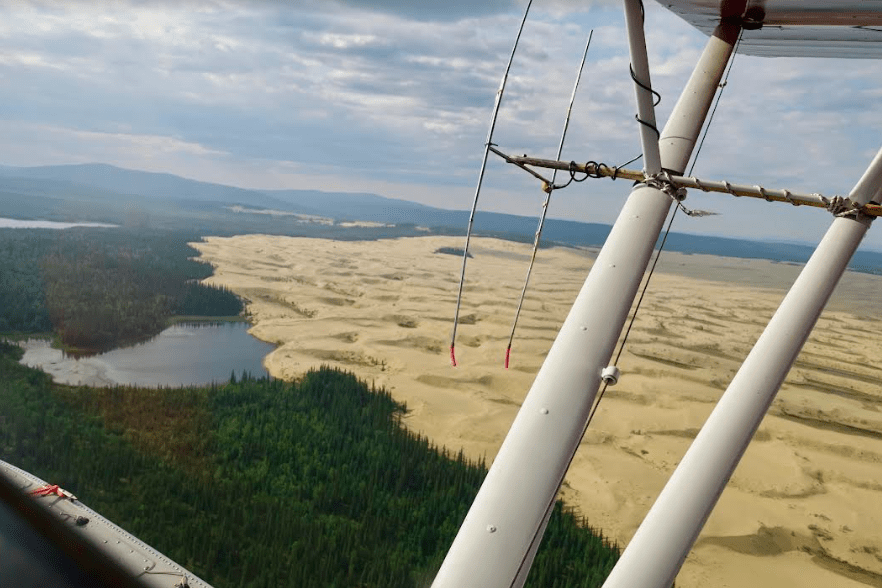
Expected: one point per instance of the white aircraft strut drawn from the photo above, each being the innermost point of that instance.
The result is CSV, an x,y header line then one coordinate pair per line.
x,y
498,539
662,542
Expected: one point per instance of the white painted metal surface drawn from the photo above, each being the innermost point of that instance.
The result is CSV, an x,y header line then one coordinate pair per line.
x,y
504,523
649,134
147,564
658,549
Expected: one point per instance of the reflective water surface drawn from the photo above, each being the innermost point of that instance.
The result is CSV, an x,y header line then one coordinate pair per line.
x,y
13,223
182,355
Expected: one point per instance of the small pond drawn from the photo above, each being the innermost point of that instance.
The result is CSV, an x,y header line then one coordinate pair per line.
x,y
182,355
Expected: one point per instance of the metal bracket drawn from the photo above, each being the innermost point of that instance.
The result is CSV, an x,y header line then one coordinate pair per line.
x,y
664,182
843,207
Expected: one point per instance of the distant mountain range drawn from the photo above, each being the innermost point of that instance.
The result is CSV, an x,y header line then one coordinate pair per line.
x,y
116,180
105,193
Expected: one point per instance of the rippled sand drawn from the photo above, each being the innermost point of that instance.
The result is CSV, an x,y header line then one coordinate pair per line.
x,y
803,506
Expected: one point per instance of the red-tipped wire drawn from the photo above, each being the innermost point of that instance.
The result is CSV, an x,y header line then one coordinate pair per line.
x,y
452,356
548,191
465,253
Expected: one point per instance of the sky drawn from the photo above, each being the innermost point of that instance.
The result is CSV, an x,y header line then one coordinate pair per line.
x,y
394,97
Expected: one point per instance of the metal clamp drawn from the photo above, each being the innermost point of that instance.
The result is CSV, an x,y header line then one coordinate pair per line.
x,y
842,207
664,182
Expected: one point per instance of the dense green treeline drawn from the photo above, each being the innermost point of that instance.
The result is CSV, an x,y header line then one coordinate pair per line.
x,y
267,483
98,288
205,300
22,294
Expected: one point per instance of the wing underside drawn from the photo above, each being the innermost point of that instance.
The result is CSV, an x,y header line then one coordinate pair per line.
x,y
794,28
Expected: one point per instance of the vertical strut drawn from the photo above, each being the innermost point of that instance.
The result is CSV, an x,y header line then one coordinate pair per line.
x,y
506,519
646,97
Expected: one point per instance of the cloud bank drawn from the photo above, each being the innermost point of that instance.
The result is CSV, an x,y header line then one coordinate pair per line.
x,y
395,97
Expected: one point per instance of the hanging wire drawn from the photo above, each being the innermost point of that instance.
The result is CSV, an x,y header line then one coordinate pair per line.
x,y
465,254
655,102
598,166
548,191
629,162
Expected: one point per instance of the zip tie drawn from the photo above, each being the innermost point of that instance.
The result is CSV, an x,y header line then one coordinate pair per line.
x,y
53,490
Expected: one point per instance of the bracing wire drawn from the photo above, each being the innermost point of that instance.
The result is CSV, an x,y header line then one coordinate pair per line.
x,y
643,292
487,145
618,355
545,204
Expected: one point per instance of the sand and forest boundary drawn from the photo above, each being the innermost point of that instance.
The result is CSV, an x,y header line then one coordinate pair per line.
x,y
801,508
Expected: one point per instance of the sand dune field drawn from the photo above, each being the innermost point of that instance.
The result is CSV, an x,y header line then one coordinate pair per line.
x,y
803,508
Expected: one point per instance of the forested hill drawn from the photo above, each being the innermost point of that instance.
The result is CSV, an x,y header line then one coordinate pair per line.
x,y
262,483
100,288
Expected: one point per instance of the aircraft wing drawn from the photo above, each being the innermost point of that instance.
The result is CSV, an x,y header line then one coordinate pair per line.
x,y
794,28
77,522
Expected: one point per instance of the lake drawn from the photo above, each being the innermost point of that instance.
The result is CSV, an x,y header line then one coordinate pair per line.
x,y
14,223
182,355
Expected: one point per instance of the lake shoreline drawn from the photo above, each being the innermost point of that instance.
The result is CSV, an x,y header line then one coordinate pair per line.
x,y
183,354
80,352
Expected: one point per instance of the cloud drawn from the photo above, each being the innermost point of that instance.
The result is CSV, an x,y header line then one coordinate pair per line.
x,y
394,93
132,147
431,10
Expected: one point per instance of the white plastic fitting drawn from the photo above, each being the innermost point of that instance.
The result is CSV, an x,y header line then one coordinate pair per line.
x,y
610,375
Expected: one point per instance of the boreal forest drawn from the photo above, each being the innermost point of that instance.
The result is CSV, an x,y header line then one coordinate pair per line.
x,y
264,483
97,289
252,483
